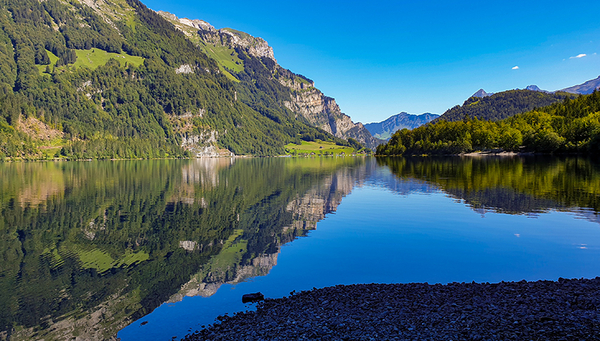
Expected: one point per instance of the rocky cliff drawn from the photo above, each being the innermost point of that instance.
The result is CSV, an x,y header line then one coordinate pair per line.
x,y
303,99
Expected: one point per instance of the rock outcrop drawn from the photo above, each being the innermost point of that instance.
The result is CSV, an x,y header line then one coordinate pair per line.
x,y
323,112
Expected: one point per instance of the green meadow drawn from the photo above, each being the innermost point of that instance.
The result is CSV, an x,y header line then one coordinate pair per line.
x,y
318,148
93,59
227,58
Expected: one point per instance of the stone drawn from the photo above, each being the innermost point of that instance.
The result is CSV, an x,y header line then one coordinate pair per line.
x,y
255,297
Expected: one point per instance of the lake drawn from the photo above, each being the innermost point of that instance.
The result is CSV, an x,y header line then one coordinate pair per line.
x,y
155,249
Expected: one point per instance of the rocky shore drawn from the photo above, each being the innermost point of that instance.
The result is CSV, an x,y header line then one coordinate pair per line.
x,y
542,310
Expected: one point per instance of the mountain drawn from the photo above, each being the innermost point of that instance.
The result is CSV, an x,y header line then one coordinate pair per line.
x,y
501,105
385,129
114,79
481,93
228,47
535,88
585,88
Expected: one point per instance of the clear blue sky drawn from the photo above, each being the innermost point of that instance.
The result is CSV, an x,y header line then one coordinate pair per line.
x,y
379,58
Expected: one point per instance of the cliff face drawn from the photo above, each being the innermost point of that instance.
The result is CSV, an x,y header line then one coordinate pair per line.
x,y
323,112
303,98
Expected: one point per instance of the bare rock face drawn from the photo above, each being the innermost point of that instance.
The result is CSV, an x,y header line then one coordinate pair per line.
x,y
198,24
204,145
257,47
323,112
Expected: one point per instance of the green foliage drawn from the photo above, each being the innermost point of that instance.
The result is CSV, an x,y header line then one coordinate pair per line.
x,y
95,57
571,126
130,102
501,105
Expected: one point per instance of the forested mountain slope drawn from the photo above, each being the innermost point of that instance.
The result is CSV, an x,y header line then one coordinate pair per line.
x,y
570,126
100,79
501,105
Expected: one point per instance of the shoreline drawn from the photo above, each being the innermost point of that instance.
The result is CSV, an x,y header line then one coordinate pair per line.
x,y
7,160
567,309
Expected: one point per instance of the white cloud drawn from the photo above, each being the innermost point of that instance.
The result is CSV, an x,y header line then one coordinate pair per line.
x,y
515,68
579,56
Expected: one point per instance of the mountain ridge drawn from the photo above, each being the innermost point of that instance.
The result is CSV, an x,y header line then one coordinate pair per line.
x,y
585,88
501,105
385,129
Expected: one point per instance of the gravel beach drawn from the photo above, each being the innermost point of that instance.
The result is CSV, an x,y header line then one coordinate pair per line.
x,y
542,310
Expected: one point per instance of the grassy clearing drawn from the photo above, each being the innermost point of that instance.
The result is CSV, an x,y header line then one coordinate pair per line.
x,y
95,57
53,60
131,22
226,57
241,34
318,148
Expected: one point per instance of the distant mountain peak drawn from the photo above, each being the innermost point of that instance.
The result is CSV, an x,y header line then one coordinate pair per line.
x,y
534,87
481,93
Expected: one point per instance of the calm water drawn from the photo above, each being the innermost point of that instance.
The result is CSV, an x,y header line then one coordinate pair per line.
x,y
155,249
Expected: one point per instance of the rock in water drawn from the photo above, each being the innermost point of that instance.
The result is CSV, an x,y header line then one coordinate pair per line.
x,y
253,297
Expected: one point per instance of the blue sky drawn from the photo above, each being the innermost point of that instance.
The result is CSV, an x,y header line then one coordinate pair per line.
x,y
379,58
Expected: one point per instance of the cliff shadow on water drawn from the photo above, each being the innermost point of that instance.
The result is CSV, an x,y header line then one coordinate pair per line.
x,y
90,247
512,185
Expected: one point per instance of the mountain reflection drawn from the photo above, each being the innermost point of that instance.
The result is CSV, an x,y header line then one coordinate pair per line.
x,y
88,248
512,185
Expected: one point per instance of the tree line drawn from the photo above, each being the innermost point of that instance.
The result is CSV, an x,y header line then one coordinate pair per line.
x,y
570,126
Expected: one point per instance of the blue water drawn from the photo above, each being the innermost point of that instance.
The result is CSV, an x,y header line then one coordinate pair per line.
x,y
380,234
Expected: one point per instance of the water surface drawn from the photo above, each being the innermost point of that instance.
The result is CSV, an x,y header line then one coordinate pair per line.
x,y
154,249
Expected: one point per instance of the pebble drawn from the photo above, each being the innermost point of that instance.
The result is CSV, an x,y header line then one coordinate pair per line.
x,y
542,310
